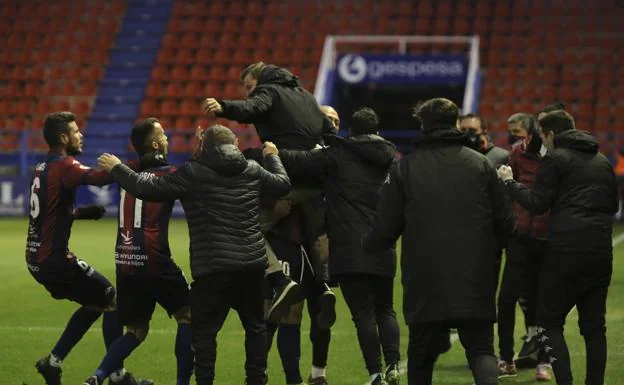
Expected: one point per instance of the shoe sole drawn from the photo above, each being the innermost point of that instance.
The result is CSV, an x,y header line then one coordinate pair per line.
x,y
281,305
507,375
327,316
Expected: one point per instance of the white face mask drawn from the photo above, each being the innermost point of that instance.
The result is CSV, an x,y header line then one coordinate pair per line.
x,y
543,150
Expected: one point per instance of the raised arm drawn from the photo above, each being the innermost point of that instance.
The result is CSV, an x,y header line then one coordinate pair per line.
x,y
243,111
544,192
273,177
147,186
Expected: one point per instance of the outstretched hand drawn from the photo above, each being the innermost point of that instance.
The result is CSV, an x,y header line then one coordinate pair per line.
x,y
108,161
211,106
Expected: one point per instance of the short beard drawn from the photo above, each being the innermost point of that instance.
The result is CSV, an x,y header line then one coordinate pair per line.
x,y
73,151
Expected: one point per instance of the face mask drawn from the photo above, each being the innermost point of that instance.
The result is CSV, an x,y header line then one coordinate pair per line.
x,y
513,139
475,139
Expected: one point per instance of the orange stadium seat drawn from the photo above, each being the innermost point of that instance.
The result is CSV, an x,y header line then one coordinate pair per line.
x,y
207,43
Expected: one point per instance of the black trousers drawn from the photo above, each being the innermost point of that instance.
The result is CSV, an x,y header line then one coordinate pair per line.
x,y
477,337
369,299
520,280
301,270
212,296
570,279
320,338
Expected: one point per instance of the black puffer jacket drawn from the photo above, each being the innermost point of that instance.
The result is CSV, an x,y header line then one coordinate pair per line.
x,y
446,201
496,156
356,170
220,193
578,185
281,110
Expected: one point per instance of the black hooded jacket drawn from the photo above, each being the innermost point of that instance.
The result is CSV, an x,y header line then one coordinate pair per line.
x,y
281,110
356,170
578,185
447,203
220,192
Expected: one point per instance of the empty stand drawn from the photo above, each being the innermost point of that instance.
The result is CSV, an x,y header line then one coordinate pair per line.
x,y
52,58
55,54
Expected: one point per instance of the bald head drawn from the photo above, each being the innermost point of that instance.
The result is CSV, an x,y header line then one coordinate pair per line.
x,y
333,117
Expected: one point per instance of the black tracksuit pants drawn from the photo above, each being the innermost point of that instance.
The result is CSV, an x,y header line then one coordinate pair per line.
x,y
520,279
212,297
370,301
568,279
423,350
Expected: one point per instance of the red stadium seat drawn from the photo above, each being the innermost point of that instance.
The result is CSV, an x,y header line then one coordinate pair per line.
x,y
173,90
149,107
190,107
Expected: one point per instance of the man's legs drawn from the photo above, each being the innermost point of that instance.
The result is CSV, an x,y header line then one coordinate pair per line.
x,y
477,337
183,346
211,298
510,291
286,290
173,294
423,351
249,302
389,334
289,344
320,337
80,283
317,248
358,294
592,309
555,300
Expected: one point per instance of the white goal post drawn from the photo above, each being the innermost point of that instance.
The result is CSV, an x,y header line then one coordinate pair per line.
x,y
328,58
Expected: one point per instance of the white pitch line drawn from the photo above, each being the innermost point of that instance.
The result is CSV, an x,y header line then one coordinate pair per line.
x,y
618,239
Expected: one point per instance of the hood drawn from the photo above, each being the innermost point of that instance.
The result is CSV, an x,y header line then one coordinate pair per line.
x,y
444,135
277,75
577,140
226,159
372,148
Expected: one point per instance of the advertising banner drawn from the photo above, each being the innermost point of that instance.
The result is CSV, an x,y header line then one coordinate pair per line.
x,y
401,69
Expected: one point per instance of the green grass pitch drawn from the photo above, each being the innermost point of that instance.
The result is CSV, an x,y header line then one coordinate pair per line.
x,y
31,321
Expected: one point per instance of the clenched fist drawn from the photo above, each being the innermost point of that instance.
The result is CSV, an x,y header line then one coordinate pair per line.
x,y
269,149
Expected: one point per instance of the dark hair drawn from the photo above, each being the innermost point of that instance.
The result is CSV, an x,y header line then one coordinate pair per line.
x,y
437,113
557,121
55,124
558,106
254,69
217,135
141,135
364,121
527,120
482,121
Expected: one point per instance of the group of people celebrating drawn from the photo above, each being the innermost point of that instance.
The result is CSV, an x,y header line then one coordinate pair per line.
x,y
273,227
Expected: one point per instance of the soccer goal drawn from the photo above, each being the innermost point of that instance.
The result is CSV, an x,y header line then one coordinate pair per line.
x,y
391,73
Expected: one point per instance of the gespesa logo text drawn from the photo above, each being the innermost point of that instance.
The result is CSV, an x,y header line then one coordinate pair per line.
x,y
401,68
